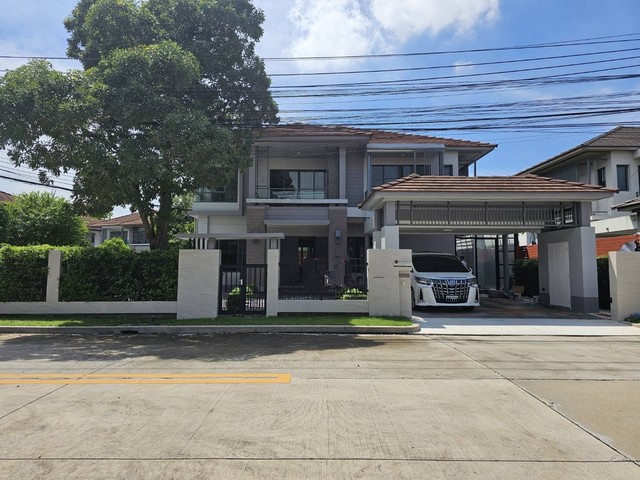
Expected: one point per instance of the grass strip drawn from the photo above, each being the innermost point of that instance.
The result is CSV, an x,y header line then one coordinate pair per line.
x,y
107,321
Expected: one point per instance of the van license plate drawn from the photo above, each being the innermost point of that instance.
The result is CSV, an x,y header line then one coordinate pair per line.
x,y
452,297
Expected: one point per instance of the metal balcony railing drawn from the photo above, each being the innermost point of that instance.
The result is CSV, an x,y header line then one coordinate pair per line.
x,y
296,193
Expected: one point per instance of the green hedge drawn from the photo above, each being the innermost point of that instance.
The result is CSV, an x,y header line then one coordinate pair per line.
x,y
23,273
110,272
114,272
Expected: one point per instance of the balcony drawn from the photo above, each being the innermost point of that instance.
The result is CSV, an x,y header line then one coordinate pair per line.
x,y
296,193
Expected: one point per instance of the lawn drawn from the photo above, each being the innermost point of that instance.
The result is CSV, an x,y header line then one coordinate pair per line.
x,y
88,321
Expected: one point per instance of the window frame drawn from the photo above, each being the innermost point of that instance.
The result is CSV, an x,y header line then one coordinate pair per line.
x,y
624,170
601,176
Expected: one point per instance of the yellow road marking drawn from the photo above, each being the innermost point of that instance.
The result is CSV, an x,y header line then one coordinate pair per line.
x,y
141,378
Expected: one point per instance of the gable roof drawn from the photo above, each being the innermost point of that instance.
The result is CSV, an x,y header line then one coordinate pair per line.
x,y
620,138
526,187
131,220
6,197
370,135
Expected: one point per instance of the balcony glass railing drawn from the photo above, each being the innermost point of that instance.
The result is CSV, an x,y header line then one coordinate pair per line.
x,y
296,193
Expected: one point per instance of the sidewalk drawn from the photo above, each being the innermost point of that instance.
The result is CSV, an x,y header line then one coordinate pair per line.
x,y
574,327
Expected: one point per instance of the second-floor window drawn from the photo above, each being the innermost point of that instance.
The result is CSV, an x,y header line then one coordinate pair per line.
x,y
387,173
303,184
602,177
623,177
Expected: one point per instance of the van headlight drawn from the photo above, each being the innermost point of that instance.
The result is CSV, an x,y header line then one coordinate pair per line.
x,y
473,282
424,281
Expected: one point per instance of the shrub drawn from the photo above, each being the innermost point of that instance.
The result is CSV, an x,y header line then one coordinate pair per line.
x,y
23,273
234,298
353,294
525,273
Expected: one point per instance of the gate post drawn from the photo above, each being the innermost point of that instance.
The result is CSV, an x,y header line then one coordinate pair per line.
x,y
273,281
389,281
198,283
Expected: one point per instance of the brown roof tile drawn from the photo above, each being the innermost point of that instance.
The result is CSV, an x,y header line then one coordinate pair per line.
x,y
622,137
131,220
376,136
6,197
521,183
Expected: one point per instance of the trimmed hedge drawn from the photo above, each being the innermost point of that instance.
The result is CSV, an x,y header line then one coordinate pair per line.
x,y
23,273
114,272
110,272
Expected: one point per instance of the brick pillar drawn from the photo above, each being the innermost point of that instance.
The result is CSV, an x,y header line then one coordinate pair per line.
x,y
337,251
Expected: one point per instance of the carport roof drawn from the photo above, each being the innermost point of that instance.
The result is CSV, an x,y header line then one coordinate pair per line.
x,y
511,188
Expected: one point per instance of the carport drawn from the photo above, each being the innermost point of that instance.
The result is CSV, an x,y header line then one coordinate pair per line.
x,y
558,210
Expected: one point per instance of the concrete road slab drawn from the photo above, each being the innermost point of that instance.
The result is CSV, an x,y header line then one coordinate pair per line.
x,y
356,407
608,409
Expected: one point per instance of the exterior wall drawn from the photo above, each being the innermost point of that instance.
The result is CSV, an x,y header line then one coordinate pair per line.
x,y
226,224
582,267
256,252
624,278
355,179
451,158
88,308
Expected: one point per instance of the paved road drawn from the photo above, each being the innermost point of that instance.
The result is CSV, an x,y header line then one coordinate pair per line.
x,y
147,407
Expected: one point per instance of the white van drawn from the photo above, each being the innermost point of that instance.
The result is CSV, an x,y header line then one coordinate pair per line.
x,y
442,280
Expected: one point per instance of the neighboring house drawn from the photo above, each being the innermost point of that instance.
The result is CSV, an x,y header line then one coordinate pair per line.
x,y
6,197
127,227
306,182
610,160
604,245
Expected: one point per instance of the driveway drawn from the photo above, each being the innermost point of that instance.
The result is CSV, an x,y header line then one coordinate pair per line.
x,y
318,406
500,316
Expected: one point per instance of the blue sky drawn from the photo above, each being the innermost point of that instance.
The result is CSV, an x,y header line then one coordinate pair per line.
x,y
339,28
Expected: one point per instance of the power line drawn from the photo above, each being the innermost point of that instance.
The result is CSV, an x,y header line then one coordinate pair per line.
x,y
35,183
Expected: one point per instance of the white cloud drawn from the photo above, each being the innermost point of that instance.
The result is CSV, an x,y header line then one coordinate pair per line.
x,y
410,18
462,67
330,28
361,27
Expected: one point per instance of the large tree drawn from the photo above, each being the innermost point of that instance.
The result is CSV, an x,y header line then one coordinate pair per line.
x,y
42,218
169,95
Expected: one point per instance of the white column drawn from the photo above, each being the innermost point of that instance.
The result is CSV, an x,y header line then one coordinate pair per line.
x,y
198,283
53,277
624,278
389,281
390,237
273,281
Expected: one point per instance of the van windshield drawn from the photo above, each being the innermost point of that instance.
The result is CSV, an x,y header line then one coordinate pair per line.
x,y
437,263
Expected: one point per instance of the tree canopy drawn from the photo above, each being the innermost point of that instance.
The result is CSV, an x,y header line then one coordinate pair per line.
x,y
41,218
166,104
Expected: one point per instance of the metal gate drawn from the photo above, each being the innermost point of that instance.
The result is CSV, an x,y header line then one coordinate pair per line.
x,y
243,290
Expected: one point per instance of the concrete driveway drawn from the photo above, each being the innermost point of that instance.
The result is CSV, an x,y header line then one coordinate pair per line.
x,y
319,406
497,316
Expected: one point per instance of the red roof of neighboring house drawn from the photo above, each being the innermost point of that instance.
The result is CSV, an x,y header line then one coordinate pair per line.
x,y
604,245
131,220
6,197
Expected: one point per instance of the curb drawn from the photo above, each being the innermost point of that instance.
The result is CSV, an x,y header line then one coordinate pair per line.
x,y
212,329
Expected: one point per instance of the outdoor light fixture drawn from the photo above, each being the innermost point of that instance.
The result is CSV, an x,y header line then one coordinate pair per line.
x,y
338,236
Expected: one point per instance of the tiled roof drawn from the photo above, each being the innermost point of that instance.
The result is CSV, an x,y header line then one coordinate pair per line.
x,y
6,197
604,245
131,220
619,137
522,184
628,206
622,137
375,136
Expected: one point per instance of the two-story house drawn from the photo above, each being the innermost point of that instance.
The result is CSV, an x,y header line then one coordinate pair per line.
x,y
610,160
306,182
127,227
